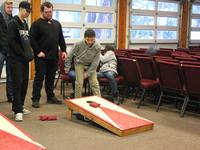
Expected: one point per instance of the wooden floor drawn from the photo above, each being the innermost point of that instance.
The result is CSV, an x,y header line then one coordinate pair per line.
x,y
170,132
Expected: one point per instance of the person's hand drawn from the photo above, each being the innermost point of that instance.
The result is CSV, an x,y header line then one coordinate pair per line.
x,y
85,75
41,55
64,55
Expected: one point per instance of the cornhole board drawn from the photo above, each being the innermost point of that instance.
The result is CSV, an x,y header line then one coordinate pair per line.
x,y
13,138
108,115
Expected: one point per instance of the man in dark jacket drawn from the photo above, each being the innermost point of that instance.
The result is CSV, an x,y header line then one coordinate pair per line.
x,y
46,35
5,17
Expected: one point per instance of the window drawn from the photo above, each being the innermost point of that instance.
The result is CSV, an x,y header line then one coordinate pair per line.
x,y
195,23
101,3
67,16
77,15
66,1
154,21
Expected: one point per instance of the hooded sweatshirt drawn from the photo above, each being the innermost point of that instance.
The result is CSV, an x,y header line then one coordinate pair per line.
x,y
108,62
16,28
6,17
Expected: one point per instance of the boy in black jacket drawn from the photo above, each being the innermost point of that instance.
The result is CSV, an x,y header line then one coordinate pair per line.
x,y
19,66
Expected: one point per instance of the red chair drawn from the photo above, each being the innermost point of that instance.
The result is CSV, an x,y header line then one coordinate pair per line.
x,y
167,49
62,75
129,70
170,59
148,73
171,82
190,62
166,53
191,74
186,59
133,77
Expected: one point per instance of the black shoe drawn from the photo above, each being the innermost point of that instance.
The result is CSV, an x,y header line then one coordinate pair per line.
x,y
35,104
71,95
116,100
53,100
79,116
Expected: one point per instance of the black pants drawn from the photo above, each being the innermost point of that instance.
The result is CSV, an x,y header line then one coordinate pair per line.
x,y
44,69
9,81
9,86
20,76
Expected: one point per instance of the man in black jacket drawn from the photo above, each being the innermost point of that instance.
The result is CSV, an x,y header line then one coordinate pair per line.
x,y
46,35
5,17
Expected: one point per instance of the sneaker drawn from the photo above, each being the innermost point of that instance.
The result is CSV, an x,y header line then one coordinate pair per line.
x,y
116,100
71,95
78,116
36,104
26,111
53,100
19,117
86,119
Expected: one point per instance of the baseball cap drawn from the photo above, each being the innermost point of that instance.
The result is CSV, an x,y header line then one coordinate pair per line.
x,y
26,5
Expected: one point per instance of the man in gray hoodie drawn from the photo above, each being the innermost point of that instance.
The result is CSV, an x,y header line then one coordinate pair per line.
x,y
5,17
85,54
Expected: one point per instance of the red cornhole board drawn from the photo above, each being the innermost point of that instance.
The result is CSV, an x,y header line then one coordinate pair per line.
x,y
13,138
110,116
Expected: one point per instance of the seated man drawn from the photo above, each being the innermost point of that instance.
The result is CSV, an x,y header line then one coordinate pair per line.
x,y
108,69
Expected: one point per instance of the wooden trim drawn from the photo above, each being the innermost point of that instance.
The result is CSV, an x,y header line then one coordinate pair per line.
x,y
184,25
123,4
34,16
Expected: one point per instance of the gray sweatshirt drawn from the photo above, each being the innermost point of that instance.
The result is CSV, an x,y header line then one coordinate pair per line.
x,y
81,53
108,62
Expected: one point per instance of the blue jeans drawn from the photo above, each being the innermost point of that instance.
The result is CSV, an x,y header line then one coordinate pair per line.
x,y
9,81
72,77
110,75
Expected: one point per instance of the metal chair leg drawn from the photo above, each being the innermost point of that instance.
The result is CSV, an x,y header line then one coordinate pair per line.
x,y
57,81
184,106
142,98
159,101
63,90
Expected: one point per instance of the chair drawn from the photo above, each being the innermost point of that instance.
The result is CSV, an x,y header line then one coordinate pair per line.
x,y
62,75
186,59
170,59
191,74
166,53
133,55
167,49
171,81
190,62
149,77
133,76
129,70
